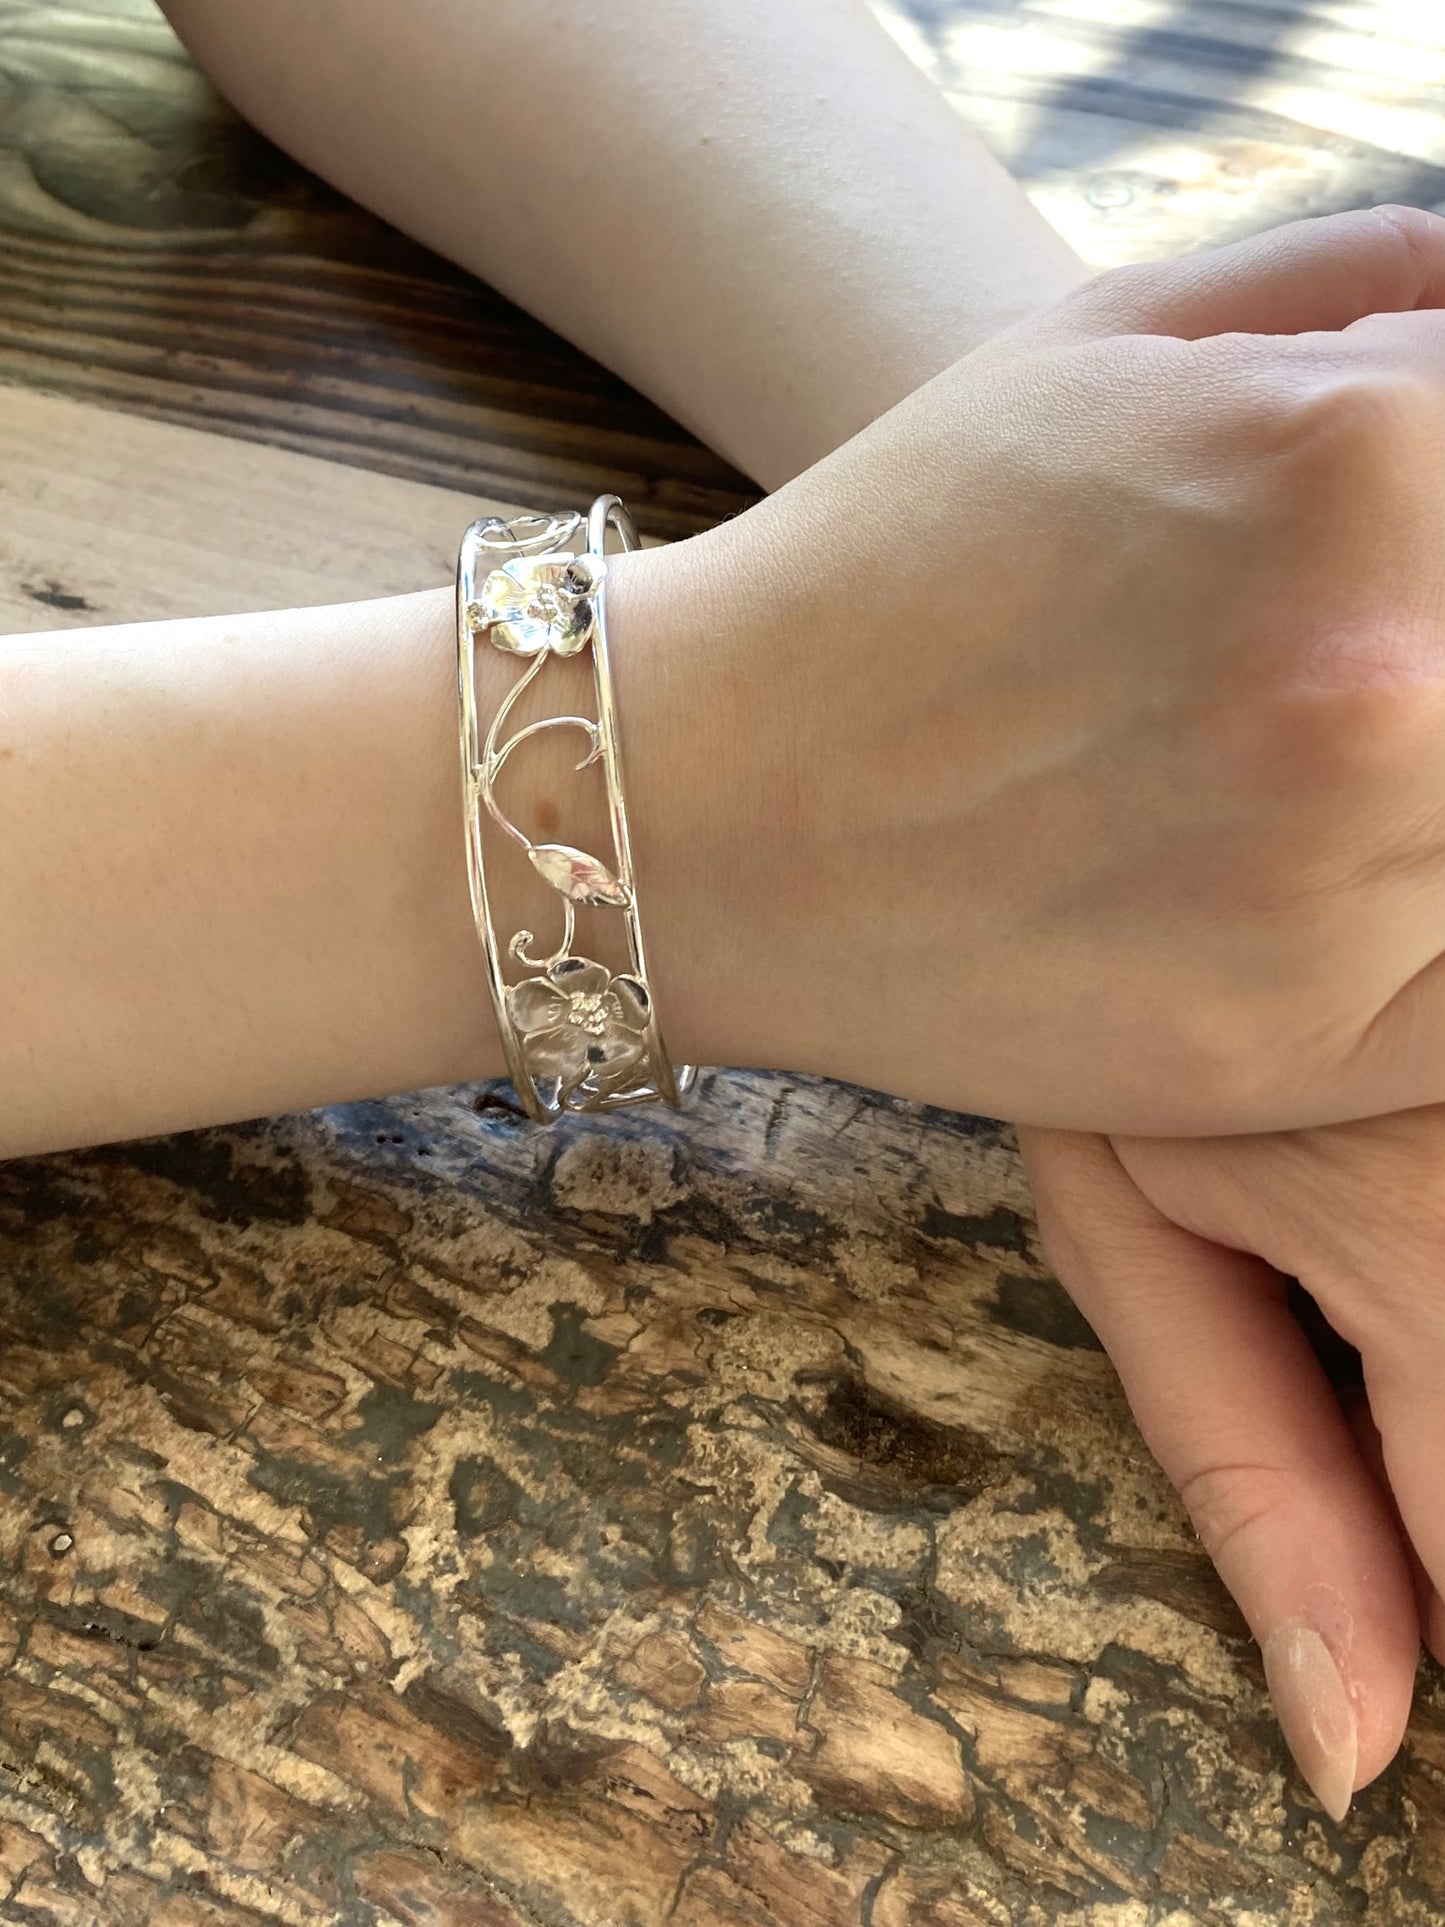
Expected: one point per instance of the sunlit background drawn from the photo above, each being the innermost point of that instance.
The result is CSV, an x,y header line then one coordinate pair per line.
x,y
1138,124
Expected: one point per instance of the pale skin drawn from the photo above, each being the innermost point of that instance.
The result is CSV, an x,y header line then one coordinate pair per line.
x,y
307,938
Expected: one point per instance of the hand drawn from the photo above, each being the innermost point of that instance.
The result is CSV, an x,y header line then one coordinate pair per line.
x,y
1068,744
1179,1253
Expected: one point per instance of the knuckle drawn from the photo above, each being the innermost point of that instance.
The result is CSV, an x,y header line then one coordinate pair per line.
x,y
1352,667
1349,723
1113,293
1418,232
1228,1502
1319,742
1238,1041
1344,712
1414,235
1128,277
1335,416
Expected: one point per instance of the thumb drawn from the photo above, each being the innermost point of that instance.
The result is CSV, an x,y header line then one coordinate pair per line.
x,y
1317,274
1235,1406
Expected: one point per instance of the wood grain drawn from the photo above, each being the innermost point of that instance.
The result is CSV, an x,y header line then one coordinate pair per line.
x,y
160,256
108,518
411,1520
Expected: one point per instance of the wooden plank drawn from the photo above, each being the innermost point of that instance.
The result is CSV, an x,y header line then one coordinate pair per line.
x,y
161,257
105,517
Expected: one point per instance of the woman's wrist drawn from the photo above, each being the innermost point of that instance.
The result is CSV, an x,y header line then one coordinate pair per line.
x,y
234,866
727,675
681,757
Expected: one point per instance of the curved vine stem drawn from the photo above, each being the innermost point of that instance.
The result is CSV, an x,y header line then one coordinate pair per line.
x,y
593,734
493,759
518,945
491,762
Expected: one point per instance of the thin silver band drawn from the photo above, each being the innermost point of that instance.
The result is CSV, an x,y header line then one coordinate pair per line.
x,y
577,1037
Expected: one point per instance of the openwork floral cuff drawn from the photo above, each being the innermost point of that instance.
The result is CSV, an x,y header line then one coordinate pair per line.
x,y
577,1036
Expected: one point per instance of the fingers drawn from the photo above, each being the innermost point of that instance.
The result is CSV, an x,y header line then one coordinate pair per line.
x,y
1405,1397
1318,274
1429,1605
1234,1404
1358,1212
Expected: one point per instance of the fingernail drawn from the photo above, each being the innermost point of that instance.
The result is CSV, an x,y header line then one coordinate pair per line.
x,y
1315,1711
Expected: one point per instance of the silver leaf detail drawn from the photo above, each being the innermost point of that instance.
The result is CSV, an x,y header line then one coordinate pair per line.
x,y
580,878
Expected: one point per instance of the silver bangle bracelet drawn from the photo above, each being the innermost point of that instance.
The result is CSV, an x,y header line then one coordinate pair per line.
x,y
577,1036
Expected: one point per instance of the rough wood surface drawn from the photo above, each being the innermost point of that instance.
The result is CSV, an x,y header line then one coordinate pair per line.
x,y
410,1520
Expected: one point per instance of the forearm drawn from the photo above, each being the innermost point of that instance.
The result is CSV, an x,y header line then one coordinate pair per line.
x,y
229,869
763,216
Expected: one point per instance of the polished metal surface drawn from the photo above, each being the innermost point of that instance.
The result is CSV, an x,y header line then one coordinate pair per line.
x,y
577,1036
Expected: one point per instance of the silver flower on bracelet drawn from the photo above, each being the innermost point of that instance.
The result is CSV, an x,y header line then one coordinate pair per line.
x,y
539,604
580,1024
